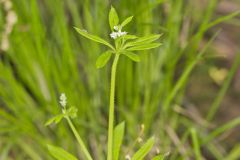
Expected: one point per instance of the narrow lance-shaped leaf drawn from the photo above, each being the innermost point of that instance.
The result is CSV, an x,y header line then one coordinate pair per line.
x,y
132,56
143,40
144,47
59,153
117,141
103,59
56,119
113,18
93,37
144,150
129,36
126,21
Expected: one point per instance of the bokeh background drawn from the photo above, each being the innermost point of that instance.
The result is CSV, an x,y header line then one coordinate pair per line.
x,y
190,82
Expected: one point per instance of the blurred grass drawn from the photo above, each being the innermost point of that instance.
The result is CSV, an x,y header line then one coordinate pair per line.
x,y
47,57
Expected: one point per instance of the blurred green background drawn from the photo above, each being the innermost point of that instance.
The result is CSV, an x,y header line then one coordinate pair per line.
x,y
190,82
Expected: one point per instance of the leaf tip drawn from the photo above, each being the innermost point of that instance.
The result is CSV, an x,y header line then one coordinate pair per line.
x,y
112,7
77,29
50,121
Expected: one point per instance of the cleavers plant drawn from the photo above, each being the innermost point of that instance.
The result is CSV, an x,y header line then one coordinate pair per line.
x,y
124,45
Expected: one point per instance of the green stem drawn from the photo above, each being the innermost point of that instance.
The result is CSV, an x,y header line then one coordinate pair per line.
x,y
111,108
196,146
79,139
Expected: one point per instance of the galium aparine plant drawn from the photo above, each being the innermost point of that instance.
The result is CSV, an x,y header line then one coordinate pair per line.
x,y
125,44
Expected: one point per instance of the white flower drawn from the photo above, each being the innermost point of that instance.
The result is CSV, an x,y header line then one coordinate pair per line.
x,y
127,157
122,33
118,32
63,100
114,35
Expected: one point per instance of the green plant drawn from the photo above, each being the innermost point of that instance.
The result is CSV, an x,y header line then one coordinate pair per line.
x,y
67,114
125,44
46,56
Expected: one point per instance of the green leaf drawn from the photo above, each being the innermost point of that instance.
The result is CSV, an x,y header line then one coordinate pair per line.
x,y
59,153
72,112
113,18
126,21
103,59
144,150
132,56
144,47
128,36
159,157
93,37
117,141
56,119
144,40
50,121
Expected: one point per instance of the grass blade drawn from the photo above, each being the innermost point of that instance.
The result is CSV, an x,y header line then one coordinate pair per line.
x,y
233,123
223,18
117,139
185,75
217,101
196,146
159,157
234,153
144,150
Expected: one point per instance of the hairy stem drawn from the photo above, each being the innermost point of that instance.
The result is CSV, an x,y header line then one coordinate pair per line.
x,y
79,139
111,108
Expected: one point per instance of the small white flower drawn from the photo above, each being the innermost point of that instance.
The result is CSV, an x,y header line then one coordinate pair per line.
x,y
139,139
127,157
63,100
114,35
118,32
122,33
